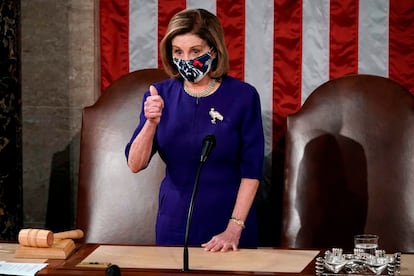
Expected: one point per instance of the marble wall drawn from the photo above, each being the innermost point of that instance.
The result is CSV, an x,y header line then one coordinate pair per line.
x,y
59,64
10,122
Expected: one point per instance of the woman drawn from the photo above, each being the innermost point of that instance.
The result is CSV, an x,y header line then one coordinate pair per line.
x,y
201,99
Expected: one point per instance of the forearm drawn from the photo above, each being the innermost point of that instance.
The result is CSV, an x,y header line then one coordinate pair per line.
x,y
245,198
229,239
140,151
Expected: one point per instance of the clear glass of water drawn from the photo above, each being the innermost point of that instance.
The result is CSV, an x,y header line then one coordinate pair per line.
x,y
366,242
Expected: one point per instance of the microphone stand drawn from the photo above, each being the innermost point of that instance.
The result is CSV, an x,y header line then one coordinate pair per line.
x,y
189,216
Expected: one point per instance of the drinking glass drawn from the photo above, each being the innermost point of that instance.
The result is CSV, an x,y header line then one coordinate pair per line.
x,y
366,242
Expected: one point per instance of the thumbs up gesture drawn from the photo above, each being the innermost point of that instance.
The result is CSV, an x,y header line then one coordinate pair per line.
x,y
153,106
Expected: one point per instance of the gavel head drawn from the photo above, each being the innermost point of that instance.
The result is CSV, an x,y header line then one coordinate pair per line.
x,y
36,237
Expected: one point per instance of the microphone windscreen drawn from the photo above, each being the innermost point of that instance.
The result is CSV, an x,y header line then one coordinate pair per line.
x,y
208,144
113,270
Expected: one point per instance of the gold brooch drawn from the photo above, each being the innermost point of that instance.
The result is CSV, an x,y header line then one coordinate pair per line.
x,y
215,115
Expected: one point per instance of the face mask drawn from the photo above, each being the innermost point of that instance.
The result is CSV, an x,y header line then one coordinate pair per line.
x,y
194,70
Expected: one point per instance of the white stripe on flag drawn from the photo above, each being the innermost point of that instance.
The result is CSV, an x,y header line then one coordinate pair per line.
x,y
143,30
315,45
373,37
209,5
259,58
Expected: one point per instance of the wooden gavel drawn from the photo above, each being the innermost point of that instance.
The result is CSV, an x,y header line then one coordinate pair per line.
x,y
45,238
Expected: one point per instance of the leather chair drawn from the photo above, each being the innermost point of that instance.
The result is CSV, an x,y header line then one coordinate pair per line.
x,y
115,205
349,166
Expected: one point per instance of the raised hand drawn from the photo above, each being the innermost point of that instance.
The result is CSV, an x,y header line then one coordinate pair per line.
x,y
153,106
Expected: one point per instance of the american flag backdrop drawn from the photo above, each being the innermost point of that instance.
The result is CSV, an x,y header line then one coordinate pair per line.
x,y
285,48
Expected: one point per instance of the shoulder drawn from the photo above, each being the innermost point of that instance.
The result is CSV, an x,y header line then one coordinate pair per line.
x,y
164,87
167,84
239,87
237,82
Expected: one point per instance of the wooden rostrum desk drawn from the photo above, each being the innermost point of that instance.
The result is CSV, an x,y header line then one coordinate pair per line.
x,y
153,260
83,252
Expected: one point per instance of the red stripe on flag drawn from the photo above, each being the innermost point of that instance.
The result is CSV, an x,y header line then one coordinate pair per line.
x,y
232,17
166,10
114,32
287,74
343,51
401,43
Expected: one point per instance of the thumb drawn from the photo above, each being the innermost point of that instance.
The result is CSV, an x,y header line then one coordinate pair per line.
x,y
153,90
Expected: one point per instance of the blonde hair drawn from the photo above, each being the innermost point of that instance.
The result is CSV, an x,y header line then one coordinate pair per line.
x,y
203,24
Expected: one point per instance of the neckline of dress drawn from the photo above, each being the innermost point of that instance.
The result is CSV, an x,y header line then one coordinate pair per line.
x,y
206,92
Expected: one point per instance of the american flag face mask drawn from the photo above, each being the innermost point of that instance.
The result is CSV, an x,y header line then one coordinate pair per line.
x,y
195,69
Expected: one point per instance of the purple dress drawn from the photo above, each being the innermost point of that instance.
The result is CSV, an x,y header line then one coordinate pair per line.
x,y
238,153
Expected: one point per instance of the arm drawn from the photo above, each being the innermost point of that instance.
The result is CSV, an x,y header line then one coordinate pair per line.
x,y
140,151
229,239
251,166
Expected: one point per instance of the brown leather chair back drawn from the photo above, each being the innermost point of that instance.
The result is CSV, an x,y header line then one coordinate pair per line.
x,y
349,166
114,204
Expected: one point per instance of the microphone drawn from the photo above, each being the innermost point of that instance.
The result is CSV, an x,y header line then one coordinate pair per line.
x,y
113,270
208,144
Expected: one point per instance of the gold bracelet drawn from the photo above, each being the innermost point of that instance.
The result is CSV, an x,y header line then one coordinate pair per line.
x,y
239,222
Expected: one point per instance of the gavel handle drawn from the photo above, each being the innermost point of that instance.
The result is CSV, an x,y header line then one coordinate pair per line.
x,y
72,234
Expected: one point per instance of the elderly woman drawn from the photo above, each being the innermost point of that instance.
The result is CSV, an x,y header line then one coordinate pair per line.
x,y
201,99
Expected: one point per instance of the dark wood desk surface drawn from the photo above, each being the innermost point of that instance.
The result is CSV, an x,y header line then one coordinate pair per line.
x,y
69,267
